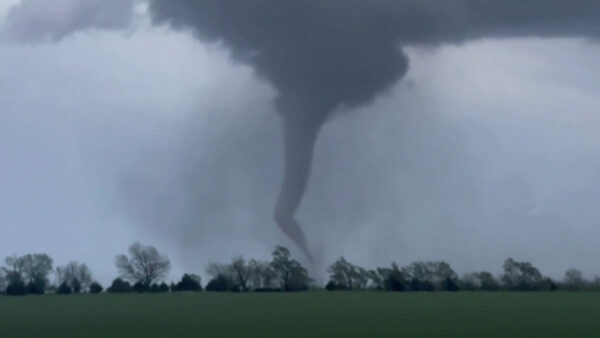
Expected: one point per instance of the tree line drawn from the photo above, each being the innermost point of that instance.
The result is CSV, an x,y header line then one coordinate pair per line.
x,y
144,269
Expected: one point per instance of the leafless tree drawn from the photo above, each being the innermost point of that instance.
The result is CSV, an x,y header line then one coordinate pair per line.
x,y
262,275
574,279
241,273
144,264
217,269
32,268
3,281
75,274
14,264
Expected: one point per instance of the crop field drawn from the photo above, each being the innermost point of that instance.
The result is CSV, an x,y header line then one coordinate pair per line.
x,y
309,314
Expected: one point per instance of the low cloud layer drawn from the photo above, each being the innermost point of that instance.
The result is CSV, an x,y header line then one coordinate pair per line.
x,y
39,20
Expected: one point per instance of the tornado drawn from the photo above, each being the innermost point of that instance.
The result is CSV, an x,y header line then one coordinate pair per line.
x,y
322,57
329,57
300,135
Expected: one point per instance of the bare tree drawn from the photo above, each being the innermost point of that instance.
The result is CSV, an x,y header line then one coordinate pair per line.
x,y
574,279
470,281
31,269
10,273
221,275
144,264
241,273
14,264
262,274
76,276
3,281
217,269
238,273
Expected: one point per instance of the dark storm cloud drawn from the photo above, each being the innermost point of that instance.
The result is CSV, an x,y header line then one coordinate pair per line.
x,y
34,20
338,54
321,56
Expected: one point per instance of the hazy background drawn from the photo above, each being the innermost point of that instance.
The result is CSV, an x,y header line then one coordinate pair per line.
x,y
484,151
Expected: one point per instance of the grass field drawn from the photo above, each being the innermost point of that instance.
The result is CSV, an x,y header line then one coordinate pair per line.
x,y
310,314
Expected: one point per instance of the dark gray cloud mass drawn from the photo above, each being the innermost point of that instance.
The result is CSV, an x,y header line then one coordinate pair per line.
x,y
323,56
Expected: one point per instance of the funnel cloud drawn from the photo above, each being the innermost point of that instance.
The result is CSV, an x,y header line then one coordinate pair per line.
x,y
327,56
321,57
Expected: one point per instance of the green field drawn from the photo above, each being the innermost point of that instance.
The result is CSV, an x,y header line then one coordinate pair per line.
x,y
309,314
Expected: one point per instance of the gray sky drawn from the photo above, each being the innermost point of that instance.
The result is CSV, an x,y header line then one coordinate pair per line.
x,y
483,151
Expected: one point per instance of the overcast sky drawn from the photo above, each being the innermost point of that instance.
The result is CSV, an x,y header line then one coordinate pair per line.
x,y
484,151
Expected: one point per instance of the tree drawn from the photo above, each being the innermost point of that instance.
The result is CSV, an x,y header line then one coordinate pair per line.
x,y
282,264
347,276
299,280
395,283
261,275
32,269
222,278
244,276
35,288
595,283
163,287
484,281
333,286
547,284
189,282
14,264
16,289
574,279
159,288
521,276
378,277
237,273
119,286
429,276
420,276
3,282
444,277
77,276
470,282
241,273
220,283
141,287
36,269
11,278
75,285
96,288
216,269
290,273
144,264
488,281
390,279
450,284
426,286
64,289
394,280
16,285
